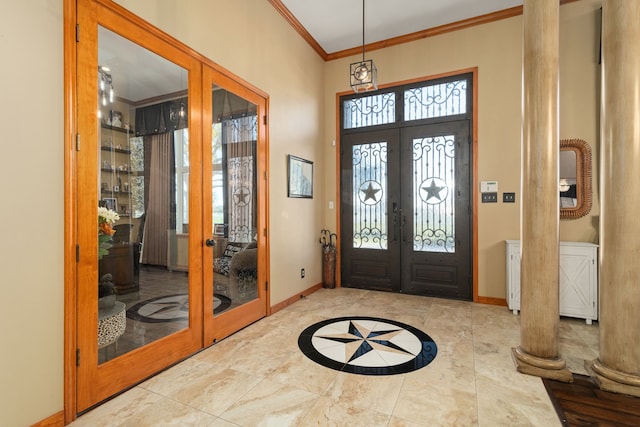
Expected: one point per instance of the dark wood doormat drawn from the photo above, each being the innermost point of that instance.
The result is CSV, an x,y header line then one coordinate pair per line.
x,y
584,404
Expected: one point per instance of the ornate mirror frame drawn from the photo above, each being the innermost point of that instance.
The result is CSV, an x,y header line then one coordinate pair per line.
x,y
583,178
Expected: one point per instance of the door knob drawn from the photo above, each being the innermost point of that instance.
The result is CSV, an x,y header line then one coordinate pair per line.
x,y
210,242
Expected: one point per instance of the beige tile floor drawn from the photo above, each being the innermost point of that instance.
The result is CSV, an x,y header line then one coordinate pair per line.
x,y
259,377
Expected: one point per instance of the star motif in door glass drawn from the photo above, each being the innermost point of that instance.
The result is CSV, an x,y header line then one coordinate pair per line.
x,y
241,195
369,194
360,340
437,189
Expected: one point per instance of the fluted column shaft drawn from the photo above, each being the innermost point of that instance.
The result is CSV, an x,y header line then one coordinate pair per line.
x,y
618,367
539,218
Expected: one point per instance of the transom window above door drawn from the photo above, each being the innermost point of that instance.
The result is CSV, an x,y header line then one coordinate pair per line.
x,y
421,101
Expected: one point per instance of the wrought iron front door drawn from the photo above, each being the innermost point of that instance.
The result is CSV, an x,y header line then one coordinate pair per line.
x,y
370,210
406,210
435,212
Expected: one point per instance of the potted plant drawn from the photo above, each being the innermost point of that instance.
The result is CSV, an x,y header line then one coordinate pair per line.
x,y
106,289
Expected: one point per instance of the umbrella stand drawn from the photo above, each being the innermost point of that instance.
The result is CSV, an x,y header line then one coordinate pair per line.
x,y
329,269
328,258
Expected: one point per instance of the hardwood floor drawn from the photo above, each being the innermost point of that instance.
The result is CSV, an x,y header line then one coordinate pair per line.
x,y
582,403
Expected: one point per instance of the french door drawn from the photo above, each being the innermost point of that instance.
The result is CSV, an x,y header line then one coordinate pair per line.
x,y
234,166
406,203
164,172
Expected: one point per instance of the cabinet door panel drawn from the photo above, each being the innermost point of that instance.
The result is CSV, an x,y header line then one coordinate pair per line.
x,y
578,280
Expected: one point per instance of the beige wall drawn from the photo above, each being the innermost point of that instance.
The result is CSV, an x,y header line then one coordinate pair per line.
x,y
31,262
265,51
496,50
270,55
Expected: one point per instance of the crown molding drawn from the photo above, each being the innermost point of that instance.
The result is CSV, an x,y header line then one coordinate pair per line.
x,y
293,21
429,32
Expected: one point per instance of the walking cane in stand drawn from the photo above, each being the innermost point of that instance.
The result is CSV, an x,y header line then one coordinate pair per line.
x,y
332,244
323,239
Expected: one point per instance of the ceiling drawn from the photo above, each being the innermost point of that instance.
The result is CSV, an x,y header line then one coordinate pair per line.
x,y
337,24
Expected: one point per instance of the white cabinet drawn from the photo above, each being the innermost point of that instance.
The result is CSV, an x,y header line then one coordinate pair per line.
x,y
578,279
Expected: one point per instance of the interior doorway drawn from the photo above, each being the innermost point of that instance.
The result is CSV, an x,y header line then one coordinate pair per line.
x,y
164,172
406,178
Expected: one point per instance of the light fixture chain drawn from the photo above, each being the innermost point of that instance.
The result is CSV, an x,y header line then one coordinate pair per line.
x,y
363,30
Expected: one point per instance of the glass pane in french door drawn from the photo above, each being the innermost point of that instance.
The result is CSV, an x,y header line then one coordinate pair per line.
x,y
434,193
234,200
370,196
143,186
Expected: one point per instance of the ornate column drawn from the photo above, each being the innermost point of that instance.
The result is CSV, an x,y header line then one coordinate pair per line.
x,y
618,367
540,215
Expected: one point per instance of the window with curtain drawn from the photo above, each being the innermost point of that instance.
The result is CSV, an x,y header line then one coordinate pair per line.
x,y
181,147
162,128
235,132
239,136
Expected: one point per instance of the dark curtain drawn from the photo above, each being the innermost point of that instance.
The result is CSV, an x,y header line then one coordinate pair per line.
x,y
161,118
159,197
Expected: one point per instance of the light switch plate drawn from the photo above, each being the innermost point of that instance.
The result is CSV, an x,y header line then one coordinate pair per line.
x,y
489,197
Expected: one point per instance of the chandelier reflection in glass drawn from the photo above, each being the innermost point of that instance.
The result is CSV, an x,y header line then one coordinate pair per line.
x,y
105,88
364,74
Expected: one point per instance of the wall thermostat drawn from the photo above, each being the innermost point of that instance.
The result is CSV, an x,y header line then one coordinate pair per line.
x,y
488,186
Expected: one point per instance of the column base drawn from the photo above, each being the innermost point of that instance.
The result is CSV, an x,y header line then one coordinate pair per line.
x,y
553,369
611,380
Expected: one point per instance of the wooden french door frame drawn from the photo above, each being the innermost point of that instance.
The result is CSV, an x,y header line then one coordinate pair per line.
x,y
98,381
80,21
222,325
474,172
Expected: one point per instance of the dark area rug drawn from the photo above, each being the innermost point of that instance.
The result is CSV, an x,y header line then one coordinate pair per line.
x,y
582,403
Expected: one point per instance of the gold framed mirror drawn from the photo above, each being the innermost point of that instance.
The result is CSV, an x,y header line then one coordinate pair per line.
x,y
575,178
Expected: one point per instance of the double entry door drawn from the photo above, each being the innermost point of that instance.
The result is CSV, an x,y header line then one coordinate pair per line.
x,y
406,210
171,152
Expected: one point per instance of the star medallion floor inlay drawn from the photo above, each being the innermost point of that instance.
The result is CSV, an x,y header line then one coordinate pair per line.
x,y
169,308
367,346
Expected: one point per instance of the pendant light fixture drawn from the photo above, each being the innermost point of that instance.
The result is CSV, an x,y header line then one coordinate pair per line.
x,y
364,74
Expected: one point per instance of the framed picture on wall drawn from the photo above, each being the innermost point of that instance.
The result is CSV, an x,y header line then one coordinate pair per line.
x,y
110,203
218,229
300,178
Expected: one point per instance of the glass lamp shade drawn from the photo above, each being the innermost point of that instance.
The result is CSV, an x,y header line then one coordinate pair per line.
x,y
364,76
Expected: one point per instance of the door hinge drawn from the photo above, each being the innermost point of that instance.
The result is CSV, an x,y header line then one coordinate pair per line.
x,y
265,232
265,175
77,33
77,357
265,119
77,253
266,286
77,142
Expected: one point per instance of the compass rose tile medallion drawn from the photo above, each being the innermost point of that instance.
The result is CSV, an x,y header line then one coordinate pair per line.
x,y
367,346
